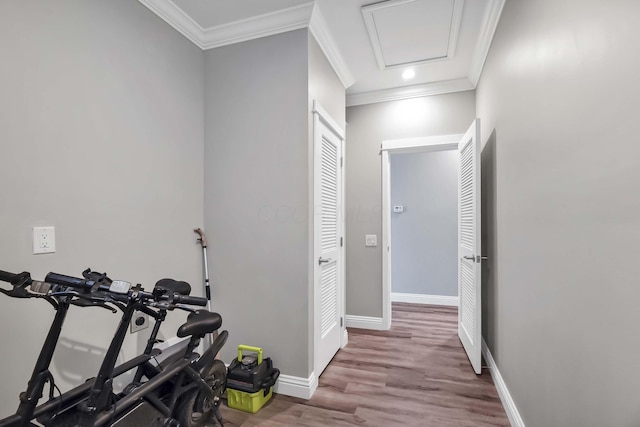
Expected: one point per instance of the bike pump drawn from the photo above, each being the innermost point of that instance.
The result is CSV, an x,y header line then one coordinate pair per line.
x,y
202,239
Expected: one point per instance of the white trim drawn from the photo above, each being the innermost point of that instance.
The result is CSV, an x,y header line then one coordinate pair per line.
x,y
424,144
269,24
364,322
448,301
343,249
505,397
456,24
489,26
408,92
170,13
326,118
306,15
374,39
302,388
386,239
318,27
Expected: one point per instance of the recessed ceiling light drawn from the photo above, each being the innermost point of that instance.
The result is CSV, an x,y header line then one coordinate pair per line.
x,y
408,74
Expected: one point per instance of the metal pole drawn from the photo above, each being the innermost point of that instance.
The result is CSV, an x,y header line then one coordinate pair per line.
x,y
207,289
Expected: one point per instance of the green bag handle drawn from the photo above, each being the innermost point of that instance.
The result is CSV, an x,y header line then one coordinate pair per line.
x,y
249,348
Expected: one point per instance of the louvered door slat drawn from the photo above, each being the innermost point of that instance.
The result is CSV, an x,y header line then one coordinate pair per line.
x,y
329,190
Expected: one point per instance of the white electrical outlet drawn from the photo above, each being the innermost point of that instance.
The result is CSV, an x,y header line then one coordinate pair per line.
x,y
139,322
370,240
44,240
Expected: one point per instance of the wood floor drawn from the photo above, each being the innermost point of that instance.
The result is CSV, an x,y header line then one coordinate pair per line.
x,y
415,374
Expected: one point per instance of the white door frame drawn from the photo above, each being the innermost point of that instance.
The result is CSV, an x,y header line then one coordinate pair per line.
x,y
320,114
394,146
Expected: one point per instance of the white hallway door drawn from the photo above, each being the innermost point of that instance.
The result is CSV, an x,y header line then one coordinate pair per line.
x,y
469,257
328,224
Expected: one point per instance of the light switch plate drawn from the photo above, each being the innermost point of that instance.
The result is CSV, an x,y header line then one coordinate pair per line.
x,y
370,240
44,240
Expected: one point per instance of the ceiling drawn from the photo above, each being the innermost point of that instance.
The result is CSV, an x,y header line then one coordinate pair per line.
x,y
370,43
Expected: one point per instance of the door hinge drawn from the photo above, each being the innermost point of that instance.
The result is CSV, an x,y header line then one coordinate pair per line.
x,y
341,322
341,242
341,161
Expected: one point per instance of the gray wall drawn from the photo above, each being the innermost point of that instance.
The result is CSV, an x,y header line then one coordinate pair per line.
x,y
558,99
101,118
424,249
368,126
257,195
325,85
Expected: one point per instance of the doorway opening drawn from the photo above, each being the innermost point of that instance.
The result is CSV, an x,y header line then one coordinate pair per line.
x,y
468,256
424,227
392,148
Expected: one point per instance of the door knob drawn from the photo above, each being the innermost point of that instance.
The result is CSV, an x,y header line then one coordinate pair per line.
x,y
323,260
475,258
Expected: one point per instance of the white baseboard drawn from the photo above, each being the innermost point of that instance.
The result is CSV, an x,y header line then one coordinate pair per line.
x,y
302,388
425,299
345,338
507,401
364,322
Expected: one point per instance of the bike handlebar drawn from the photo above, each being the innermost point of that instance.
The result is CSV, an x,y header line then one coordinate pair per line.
x,y
98,283
189,300
7,277
87,285
14,278
69,281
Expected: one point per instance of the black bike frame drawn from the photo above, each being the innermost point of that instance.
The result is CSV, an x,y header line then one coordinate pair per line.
x,y
40,376
27,410
186,367
97,409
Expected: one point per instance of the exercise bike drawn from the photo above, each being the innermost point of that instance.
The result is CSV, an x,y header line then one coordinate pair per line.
x,y
186,392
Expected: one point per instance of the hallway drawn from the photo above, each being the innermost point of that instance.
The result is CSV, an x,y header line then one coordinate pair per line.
x,y
415,374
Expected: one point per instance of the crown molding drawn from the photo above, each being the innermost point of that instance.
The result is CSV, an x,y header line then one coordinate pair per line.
x,y
306,15
256,27
490,24
281,21
309,16
407,92
489,27
177,18
319,29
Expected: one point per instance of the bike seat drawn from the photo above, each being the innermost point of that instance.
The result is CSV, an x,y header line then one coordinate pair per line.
x,y
174,286
199,323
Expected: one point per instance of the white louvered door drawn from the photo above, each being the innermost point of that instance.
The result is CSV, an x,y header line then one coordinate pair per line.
x,y
469,257
327,224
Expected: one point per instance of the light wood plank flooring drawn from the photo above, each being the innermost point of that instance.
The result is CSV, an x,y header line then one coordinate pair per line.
x,y
415,374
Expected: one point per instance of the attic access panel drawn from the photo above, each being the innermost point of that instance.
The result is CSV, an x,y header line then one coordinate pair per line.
x,y
412,32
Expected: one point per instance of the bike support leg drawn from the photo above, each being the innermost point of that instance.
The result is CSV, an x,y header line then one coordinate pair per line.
x,y
103,386
29,399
